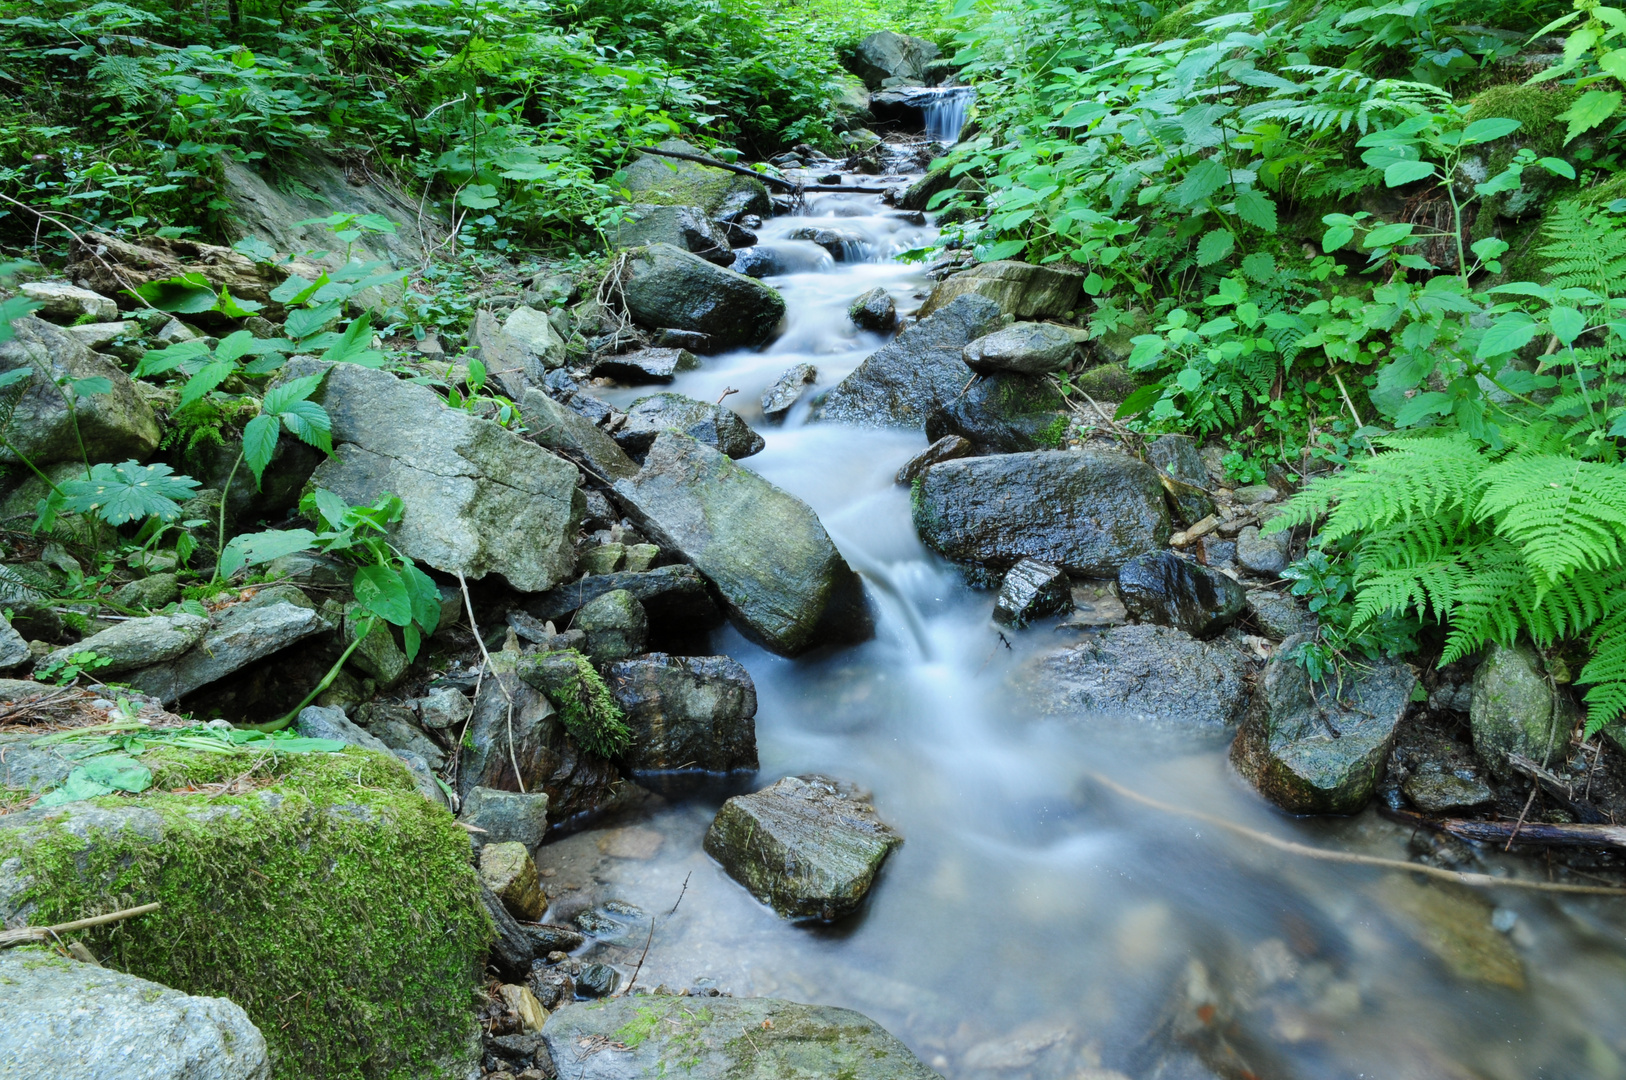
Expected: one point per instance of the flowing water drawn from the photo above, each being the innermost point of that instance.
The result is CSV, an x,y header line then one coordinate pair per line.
x,y
1034,925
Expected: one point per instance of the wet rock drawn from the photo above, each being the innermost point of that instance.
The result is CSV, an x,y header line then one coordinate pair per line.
x,y
115,425
948,448
508,871
685,227
1020,289
516,1053
789,257
914,373
1262,555
378,656
68,1019
808,846
524,1006
549,761
874,311
1032,590
787,390
886,55
665,286
553,986
14,651
62,302
686,713
1315,751
652,179
615,625
1149,676
512,950
549,938
646,365
137,643
506,816
843,245
598,981
1177,455
1434,791
729,1037
667,338
1188,502
478,498
400,735
671,595
1087,511
237,636
715,425
443,708
1513,710
1161,587
1004,413
559,427
765,551
1026,347
1454,924
149,593
1279,616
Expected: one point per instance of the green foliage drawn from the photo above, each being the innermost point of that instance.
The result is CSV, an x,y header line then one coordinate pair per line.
x,y
119,494
64,671
589,711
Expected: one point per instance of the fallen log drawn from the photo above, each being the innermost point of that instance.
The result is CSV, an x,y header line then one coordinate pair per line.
x,y
1560,789
1535,833
113,266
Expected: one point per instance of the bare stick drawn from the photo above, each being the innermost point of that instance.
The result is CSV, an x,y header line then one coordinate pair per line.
x,y
468,605
1461,878
28,934
649,940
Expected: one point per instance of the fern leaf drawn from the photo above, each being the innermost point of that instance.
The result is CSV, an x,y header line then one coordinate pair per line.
x,y
1565,514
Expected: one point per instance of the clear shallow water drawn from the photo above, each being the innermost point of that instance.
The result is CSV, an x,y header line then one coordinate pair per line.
x,y
1033,925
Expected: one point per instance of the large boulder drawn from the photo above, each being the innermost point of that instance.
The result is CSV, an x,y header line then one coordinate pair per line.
x,y
686,713
887,55
1027,347
115,425
921,369
136,643
520,350
685,227
715,425
1004,413
1020,289
1321,750
561,428
656,180
478,499
665,286
1161,587
1144,676
629,1037
808,846
781,578
66,1020
236,637
1088,511
1513,710
330,880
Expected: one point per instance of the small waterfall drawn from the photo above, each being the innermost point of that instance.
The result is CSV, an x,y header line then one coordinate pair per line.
x,y
945,112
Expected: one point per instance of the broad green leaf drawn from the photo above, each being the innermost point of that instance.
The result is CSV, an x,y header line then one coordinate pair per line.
x,y
307,321
256,249
1139,402
1590,109
295,290
381,591
478,196
233,308
1489,130
1387,235
1336,237
211,376
95,384
11,309
1558,166
187,294
119,494
280,397
17,375
234,346
1215,245
1005,249
355,347
1567,323
1257,209
1507,334
424,595
260,442
1406,172
1203,180
255,549
119,772
158,361
310,424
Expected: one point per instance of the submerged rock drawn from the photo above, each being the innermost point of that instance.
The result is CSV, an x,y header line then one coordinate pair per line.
x,y
785,257
1020,289
685,227
1147,676
787,390
68,1019
1026,347
765,551
724,1037
1087,511
1513,710
686,713
916,372
808,846
715,425
665,286
843,245
1318,751
1163,588
874,311
1032,590
1435,791
1004,413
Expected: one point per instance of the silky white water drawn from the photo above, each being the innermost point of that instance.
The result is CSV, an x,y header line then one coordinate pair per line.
x,y
1033,925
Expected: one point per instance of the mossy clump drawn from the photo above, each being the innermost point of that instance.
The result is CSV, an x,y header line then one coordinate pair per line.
x,y
1536,108
331,901
589,711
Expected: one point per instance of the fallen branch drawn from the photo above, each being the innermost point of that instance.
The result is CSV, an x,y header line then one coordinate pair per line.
x,y
1482,881
1523,832
1561,790
777,181
31,934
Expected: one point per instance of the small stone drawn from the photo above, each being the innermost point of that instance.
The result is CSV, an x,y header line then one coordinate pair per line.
x,y
787,390
616,627
506,816
1026,347
1161,587
378,655
874,311
554,942
523,1004
401,735
598,981
1435,792
1254,495
175,331
508,870
14,650
1263,555
630,843
553,986
149,593
61,302
1513,710
1032,590
98,336
640,557
1277,615
603,559
444,708
947,448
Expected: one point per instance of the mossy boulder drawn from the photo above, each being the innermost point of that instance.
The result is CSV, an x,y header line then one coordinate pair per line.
x,y
661,181
1004,413
1514,710
335,904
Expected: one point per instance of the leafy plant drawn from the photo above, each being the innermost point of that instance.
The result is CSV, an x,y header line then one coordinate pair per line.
x,y
63,671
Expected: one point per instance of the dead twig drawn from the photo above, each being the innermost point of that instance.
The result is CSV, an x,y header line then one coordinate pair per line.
x,y
31,934
650,940
485,662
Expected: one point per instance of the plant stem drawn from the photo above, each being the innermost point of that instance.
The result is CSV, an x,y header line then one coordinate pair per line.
x,y
22,457
363,628
220,536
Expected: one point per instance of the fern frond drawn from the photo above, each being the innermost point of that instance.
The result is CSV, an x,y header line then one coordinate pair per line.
x,y
1605,673
1414,478
18,585
1565,514
1584,249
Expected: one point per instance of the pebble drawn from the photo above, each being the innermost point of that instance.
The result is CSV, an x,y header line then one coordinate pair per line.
x,y
630,843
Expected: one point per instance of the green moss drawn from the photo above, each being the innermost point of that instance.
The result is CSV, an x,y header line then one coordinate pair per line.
x,y
587,707
1536,108
1054,434
337,907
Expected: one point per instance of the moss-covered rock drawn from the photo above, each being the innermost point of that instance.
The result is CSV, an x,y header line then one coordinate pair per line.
x,y
663,181
336,905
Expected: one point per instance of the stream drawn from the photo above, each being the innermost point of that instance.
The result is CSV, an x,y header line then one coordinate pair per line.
x,y
1034,925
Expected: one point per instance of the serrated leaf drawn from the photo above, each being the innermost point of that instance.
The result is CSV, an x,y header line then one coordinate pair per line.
x,y
310,424
1336,237
1257,209
234,346
118,494
1387,235
1590,109
95,384
280,397
1203,179
260,442
256,249
294,290
187,294
1509,333
159,361
424,595
307,321
355,344
1215,245
212,375
255,549
380,591
1406,172
1567,323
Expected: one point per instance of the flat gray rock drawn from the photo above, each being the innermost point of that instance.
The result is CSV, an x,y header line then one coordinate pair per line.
x,y
561,428
72,1021
1020,289
787,390
115,426
633,1038
237,636
715,425
13,648
137,643
1026,347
